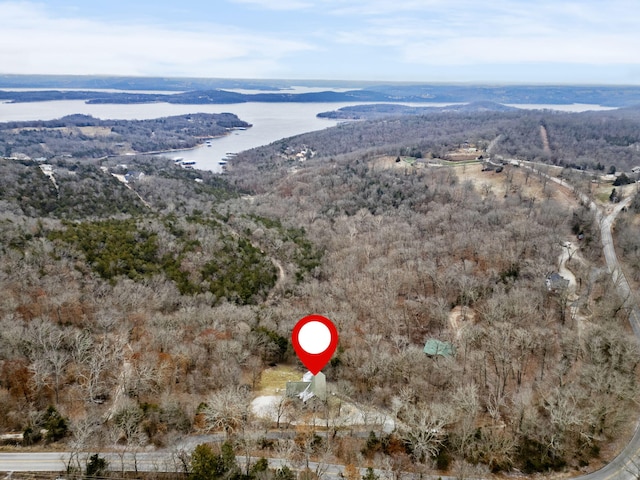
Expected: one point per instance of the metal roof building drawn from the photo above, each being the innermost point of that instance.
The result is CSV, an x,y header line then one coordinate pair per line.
x,y
435,347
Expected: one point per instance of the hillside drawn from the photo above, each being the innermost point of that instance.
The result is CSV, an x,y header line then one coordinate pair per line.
x,y
591,141
371,112
137,313
83,136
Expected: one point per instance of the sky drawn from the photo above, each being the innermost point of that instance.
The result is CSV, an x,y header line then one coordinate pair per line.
x,y
467,41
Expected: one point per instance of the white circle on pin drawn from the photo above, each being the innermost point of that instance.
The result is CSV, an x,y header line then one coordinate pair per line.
x,y
314,337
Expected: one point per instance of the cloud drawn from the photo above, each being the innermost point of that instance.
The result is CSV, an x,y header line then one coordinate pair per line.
x,y
320,38
502,33
592,50
35,41
277,4
389,7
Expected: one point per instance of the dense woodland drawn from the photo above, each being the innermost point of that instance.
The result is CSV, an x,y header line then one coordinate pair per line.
x,y
145,312
605,141
83,136
381,110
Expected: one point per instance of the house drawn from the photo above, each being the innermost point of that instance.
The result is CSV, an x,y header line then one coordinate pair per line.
x,y
556,282
133,176
310,386
435,348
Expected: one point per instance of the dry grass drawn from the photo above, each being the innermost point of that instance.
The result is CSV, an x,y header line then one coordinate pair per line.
x,y
273,380
463,155
387,162
95,131
601,191
513,181
92,132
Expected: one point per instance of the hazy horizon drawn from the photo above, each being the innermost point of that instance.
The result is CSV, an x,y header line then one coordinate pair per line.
x,y
316,82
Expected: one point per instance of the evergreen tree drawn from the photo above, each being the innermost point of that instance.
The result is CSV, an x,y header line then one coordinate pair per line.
x,y
204,463
370,475
97,466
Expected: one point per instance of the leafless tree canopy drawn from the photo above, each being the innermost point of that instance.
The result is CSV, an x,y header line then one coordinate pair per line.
x,y
167,331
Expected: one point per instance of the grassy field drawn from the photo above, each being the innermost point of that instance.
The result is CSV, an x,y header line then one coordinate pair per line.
x,y
602,191
273,380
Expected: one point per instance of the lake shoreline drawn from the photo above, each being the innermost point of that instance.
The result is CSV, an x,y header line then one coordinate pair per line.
x,y
270,122
199,145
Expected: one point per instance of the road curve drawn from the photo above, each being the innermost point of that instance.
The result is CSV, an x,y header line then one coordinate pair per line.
x,y
626,466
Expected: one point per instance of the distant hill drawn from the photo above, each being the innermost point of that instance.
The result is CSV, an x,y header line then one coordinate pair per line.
x,y
170,84
86,136
217,91
373,111
176,84
596,140
614,96
199,97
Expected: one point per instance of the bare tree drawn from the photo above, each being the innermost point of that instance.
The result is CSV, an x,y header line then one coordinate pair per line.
x,y
423,429
128,432
466,404
84,440
226,410
47,348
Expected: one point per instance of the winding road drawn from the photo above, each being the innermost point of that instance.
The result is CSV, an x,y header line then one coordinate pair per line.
x,y
626,466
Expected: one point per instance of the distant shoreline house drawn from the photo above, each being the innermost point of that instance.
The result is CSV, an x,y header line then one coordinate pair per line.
x,y
133,176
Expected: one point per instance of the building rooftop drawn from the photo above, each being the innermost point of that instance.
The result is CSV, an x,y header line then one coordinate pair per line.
x,y
435,347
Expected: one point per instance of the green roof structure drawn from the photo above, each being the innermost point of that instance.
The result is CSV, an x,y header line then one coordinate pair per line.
x,y
435,347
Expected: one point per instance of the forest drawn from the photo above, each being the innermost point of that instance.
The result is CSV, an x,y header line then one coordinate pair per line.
x,y
83,136
589,141
137,314
380,110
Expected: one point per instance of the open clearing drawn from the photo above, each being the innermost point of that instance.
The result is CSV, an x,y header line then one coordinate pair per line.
x,y
512,180
602,191
88,131
274,380
344,413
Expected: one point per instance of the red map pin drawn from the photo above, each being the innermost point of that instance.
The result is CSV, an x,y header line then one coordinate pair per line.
x,y
314,339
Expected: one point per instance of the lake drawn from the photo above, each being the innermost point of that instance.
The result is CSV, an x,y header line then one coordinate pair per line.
x,y
271,121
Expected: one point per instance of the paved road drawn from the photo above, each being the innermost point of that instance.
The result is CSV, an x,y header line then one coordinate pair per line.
x,y
168,462
58,461
626,466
